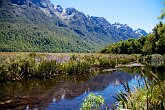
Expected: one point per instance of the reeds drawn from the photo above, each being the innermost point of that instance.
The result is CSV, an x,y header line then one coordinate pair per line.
x,y
48,65
148,97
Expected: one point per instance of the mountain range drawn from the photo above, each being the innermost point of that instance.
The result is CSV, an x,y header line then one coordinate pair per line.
x,y
38,25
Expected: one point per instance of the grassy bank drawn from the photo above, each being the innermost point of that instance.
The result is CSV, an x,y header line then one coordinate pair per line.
x,y
149,97
18,66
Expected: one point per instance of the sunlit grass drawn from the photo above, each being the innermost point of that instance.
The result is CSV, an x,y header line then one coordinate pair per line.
x,y
17,66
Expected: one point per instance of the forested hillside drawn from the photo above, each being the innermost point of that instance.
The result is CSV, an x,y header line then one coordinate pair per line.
x,y
151,44
40,26
29,29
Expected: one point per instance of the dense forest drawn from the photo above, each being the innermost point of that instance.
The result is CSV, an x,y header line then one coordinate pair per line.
x,y
153,43
26,29
38,38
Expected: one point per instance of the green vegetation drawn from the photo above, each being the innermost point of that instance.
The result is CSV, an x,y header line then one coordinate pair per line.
x,y
16,66
152,44
25,29
31,38
92,101
162,14
149,97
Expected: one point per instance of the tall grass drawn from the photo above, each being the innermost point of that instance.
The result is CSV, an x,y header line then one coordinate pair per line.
x,y
41,65
149,97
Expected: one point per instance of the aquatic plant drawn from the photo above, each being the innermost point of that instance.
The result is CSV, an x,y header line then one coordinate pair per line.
x,y
92,102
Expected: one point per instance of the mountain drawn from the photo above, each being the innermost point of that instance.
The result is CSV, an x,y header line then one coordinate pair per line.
x,y
127,32
141,32
38,25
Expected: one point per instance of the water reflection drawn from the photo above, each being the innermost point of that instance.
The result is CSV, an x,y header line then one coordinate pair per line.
x,y
103,84
63,92
54,99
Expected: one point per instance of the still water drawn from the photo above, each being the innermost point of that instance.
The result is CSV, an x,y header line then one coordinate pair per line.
x,y
66,92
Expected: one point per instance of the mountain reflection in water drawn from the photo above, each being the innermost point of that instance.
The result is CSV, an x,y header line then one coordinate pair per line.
x,y
64,94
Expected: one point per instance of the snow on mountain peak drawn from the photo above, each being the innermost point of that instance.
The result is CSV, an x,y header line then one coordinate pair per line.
x,y
58,8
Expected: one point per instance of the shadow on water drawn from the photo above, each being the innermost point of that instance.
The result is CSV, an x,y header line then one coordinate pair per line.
x,y
68,92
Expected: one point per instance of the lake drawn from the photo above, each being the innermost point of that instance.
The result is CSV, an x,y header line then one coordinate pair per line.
x,y
68,92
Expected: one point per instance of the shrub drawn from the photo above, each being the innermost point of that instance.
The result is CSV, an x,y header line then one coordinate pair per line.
x,y
92,102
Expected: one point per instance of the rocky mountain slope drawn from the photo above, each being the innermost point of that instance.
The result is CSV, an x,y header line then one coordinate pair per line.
x,y
38,25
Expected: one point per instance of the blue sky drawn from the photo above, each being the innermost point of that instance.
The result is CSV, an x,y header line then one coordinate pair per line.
x,y
136,13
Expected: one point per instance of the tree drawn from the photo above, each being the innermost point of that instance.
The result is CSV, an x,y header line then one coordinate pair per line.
x,y
162,16
160,43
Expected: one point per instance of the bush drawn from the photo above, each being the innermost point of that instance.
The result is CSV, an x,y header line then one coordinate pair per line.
x,y
92,102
